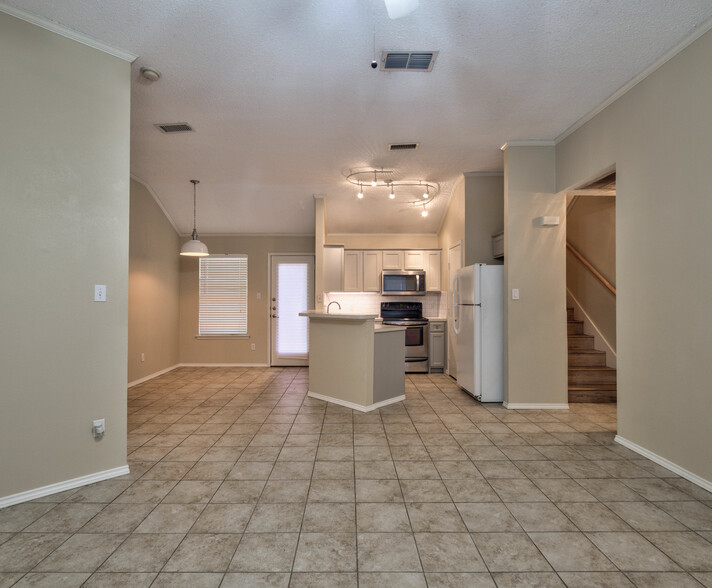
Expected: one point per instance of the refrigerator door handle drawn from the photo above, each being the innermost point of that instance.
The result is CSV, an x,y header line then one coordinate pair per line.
x,y
455,305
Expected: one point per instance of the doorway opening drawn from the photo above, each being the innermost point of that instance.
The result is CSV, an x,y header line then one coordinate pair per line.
x,y
291,292
591,291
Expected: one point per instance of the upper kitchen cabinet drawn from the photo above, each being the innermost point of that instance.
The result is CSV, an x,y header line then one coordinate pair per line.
x,y
432,271
362,271
333,268
372,266
413,260
353,271
392,260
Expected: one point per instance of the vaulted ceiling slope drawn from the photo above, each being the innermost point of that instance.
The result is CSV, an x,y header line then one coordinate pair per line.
x,y
284,101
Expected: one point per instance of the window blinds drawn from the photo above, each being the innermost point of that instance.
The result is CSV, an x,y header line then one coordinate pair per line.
x,y
223,295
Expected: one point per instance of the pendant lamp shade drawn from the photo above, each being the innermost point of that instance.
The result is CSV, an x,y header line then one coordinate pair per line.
x,y
194,247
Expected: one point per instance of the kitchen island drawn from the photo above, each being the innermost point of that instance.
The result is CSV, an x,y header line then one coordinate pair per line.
x,y
353,362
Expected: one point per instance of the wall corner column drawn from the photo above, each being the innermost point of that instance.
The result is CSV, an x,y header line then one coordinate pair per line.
x,y
535,264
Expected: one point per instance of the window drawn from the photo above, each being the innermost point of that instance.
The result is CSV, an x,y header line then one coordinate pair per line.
x,y
223,295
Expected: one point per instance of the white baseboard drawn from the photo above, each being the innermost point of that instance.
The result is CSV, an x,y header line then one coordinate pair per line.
x,y
153,375
62,486
589,327
355,406
534,406
260,365
666,463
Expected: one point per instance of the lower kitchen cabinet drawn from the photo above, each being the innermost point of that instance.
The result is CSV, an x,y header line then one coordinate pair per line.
x,y
437,345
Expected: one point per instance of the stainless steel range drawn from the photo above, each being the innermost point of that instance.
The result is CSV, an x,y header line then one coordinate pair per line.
x,y
410,316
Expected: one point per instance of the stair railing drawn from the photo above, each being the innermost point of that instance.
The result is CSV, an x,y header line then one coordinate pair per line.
x,y
587,264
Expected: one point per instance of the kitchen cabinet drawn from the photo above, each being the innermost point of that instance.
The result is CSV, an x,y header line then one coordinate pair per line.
x,y
392,260
353,271
432,271
333,274
437,334
372,265
413,260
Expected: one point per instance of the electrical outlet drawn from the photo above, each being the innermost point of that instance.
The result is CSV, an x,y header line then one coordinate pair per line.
x,y
98,428
259,295
252,347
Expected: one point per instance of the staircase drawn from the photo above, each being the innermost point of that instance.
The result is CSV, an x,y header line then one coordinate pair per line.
x,y
589,378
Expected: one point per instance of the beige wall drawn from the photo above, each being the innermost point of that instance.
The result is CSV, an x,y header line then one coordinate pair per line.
x,y
153,287
659,136
64,164
484,215
591,229
192,350
535,325
395,241
451,231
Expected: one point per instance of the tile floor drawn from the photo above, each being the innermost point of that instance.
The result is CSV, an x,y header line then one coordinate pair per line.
x,y
238,479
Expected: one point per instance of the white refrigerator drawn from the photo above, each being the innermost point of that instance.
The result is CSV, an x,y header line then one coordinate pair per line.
x,y
478,322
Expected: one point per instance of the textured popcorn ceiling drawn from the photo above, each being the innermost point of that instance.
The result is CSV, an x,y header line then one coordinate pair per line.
x,y
284,101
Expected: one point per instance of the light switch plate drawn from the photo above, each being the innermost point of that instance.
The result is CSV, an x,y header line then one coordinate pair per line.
x,y
515,293
99,293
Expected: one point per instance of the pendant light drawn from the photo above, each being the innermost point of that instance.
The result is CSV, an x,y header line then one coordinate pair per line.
x,y
194,247
360,192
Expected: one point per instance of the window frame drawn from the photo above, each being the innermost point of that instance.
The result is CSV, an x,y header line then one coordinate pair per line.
x,y
241,296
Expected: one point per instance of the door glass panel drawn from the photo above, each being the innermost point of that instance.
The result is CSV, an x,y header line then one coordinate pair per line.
x,y
292,298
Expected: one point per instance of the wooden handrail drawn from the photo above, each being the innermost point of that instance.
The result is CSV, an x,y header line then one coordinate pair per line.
x,y
589,267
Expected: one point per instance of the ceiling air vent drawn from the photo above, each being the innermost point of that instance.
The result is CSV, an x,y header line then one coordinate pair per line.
x,y
408,60
403,146
175,128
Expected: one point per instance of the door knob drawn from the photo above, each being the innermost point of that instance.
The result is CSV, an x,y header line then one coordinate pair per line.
x,y
274,308
274,300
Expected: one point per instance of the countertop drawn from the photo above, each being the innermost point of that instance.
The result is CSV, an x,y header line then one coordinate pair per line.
x,y
387,328
337,315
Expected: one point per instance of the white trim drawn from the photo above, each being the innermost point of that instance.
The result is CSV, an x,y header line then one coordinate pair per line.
x,y
696,34
64,31
532,143
151,376
404,235
62,486
599,341
355,406
223,365
666,463
202,234
498,174
534,406
152,192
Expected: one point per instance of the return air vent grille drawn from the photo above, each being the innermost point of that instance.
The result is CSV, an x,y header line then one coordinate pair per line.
x,y
408,60
175,128
403,146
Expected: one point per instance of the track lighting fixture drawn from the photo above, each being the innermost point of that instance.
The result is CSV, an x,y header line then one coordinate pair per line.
x,y
385,178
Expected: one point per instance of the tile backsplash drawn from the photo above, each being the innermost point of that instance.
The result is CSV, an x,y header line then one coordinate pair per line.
x,y
434,303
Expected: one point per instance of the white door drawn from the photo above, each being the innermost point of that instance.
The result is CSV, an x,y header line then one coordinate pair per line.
x,y
454,263
291,292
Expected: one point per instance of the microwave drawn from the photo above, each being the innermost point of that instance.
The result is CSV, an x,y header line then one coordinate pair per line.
x,y
403,283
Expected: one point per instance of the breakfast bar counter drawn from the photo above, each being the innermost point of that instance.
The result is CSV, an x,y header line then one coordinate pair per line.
x,y
353,362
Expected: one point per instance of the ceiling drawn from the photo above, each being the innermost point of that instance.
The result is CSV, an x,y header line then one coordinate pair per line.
x,y
284,101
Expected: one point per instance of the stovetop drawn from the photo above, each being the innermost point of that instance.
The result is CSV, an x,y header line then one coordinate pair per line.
x,y
402,311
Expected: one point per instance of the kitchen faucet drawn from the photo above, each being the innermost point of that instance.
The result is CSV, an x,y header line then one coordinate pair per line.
x,y
329,306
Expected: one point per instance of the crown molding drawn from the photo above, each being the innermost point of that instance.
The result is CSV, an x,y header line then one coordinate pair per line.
x,y
686,42
532,143
59,29
158,201
484,174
